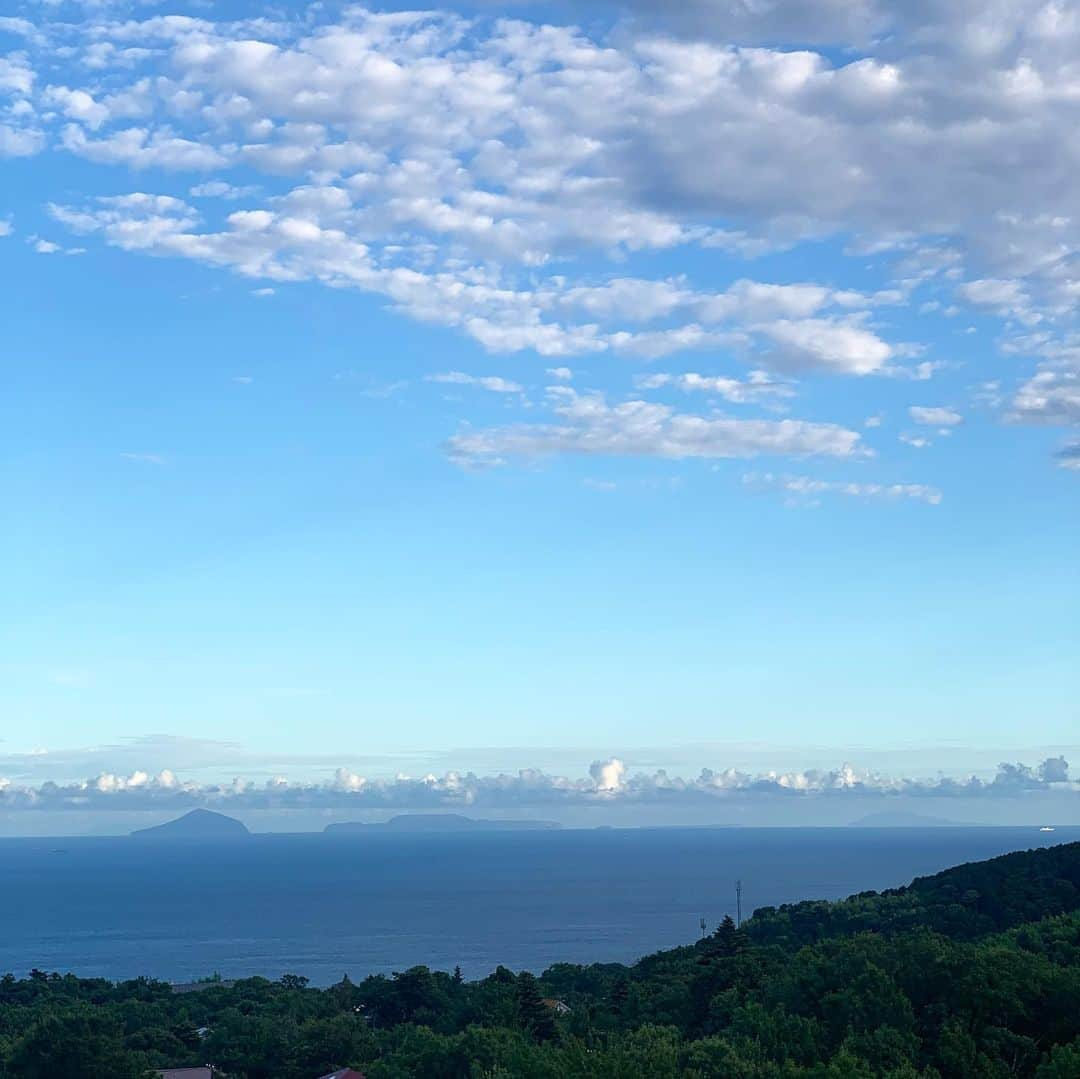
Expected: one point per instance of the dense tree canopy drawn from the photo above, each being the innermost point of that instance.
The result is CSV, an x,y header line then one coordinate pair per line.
x,y
974,972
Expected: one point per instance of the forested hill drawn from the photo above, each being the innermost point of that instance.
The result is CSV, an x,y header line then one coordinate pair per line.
x,y
965,902
970,974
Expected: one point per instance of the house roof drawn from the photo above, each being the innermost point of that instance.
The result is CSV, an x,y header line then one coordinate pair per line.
x,y
345,1073
187,1073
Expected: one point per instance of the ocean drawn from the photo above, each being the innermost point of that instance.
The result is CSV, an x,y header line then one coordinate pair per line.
x,y
325,906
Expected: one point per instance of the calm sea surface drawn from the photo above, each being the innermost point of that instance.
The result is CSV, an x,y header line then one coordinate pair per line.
x,y
322,906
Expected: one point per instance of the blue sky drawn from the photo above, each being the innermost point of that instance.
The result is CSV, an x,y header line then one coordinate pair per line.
x,y
378,386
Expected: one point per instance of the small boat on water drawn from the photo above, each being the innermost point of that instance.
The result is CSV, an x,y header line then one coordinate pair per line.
x,y
1046,828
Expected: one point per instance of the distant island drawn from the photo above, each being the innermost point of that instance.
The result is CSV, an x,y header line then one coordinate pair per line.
x,y
439,822
198,824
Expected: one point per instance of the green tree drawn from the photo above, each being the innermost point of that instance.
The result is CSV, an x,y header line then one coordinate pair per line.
x,y
1064,1063
75,1044
534,1016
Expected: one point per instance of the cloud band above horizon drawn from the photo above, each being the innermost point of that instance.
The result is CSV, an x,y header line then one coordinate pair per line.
x,y
608,782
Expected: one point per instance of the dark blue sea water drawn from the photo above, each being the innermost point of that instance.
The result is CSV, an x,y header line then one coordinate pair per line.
x,y
322,906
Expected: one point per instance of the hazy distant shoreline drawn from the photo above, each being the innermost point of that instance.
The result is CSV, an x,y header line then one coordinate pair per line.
x,y
204,824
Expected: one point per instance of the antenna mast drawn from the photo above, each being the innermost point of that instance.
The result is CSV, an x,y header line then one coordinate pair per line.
x,y
738,903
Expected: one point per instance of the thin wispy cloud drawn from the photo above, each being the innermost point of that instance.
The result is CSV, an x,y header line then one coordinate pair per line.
x,y
144,458
806,489
491,383
591,426
935,417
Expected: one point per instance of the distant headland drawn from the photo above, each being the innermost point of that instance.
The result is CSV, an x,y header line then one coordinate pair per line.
x,y
206,824
439,822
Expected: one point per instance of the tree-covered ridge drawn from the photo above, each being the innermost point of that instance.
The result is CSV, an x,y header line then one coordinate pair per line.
x,y
974,972
965,902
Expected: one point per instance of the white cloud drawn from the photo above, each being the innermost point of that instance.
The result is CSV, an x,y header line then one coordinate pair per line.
x,y
141,148
492,383
6,228
1068,457
300,239
48,247
849,22
805,488
561,374
839,346
991,292
918,442
429,136
10,24
608,775
1006,297
20,141
76,105
220,189
935,417
459,168
1049,397
589,425
608,781
524,140
16,75
758,387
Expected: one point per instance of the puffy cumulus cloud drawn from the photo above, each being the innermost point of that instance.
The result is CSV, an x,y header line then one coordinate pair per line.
x,y
935,417
1052,770
141,148
1003,296
851,22
841,346
524,140
11,24
746,301
1051,396
20,132
608,775
308,235
806,489
221,189
592,426
607,781
502,140
16,75
76,105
